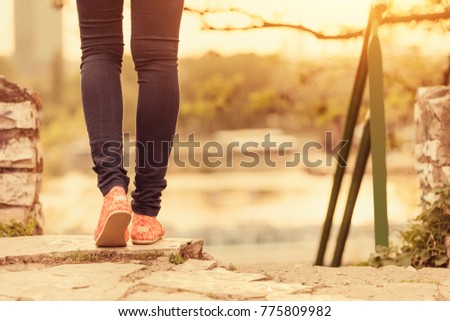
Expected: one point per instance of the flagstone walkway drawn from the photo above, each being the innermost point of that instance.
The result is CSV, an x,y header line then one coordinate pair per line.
x,y
72,268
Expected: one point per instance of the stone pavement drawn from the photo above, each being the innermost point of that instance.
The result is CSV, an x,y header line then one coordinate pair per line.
x,y
71,268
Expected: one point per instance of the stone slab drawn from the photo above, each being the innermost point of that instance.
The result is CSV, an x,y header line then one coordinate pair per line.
x,y
19,188
196,265
158,282
304,297
18,152
388,292
19,248
22,115
164,296
101,281
221,284
14,214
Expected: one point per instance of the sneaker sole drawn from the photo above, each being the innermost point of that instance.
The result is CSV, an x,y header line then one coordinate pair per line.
x,y
145,242
113,232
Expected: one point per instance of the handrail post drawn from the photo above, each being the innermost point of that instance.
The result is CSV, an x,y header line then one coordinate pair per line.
x,y
378,131
350,123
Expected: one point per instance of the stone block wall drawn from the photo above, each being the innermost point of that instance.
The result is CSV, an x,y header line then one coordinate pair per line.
x,y
20,156
432,118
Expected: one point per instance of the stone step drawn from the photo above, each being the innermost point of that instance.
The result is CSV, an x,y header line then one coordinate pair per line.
x,y
28,249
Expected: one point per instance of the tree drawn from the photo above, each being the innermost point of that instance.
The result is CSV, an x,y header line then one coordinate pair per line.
x,y
327,106
431,10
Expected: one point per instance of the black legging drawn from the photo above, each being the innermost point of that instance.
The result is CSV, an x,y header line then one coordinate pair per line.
x,y
154,47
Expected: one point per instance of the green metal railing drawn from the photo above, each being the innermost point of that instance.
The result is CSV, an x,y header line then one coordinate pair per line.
x,y
373,140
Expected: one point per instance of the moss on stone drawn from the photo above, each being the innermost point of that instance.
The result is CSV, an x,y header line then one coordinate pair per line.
x,y
14,228
176,259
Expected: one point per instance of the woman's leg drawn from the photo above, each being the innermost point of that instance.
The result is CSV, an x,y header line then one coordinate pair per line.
x,y
102,49
154,46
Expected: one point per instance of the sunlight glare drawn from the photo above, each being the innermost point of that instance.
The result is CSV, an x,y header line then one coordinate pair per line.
x,y
326,16
7,27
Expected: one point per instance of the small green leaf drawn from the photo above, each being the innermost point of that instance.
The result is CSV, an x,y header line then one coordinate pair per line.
x,y
441,261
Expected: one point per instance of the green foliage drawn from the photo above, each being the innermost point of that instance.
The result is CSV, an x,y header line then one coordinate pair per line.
x,y
176,259
104,256
232,267
18,229
143,256
233,92
424,240
392,255
243,91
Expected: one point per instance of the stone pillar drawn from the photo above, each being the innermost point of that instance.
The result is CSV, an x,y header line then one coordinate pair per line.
x,y
432,118
20,160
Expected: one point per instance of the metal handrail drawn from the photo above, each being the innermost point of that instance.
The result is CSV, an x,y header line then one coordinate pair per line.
x,y
369,65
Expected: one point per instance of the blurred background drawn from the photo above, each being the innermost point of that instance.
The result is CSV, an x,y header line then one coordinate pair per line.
x,y
238,85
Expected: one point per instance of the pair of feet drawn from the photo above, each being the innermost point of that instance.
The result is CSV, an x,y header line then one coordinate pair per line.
x,y
116,214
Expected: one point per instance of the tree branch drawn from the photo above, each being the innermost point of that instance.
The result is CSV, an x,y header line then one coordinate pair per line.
x,y
260,23
417,17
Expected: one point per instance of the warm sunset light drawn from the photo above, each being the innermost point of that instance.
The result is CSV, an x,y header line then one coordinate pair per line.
x,y
232,151
329,16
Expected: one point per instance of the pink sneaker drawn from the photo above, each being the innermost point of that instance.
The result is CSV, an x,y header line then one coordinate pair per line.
x,y
112,228
146,229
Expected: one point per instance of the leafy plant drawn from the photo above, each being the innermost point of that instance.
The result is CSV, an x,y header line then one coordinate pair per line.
x,y
176,259
424,240
389,255
18,229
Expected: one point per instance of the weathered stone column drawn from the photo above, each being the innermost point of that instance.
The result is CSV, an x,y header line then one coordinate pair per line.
x,y
20,160
432,118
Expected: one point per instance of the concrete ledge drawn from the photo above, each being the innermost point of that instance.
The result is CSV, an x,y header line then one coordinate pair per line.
x,y
34,248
